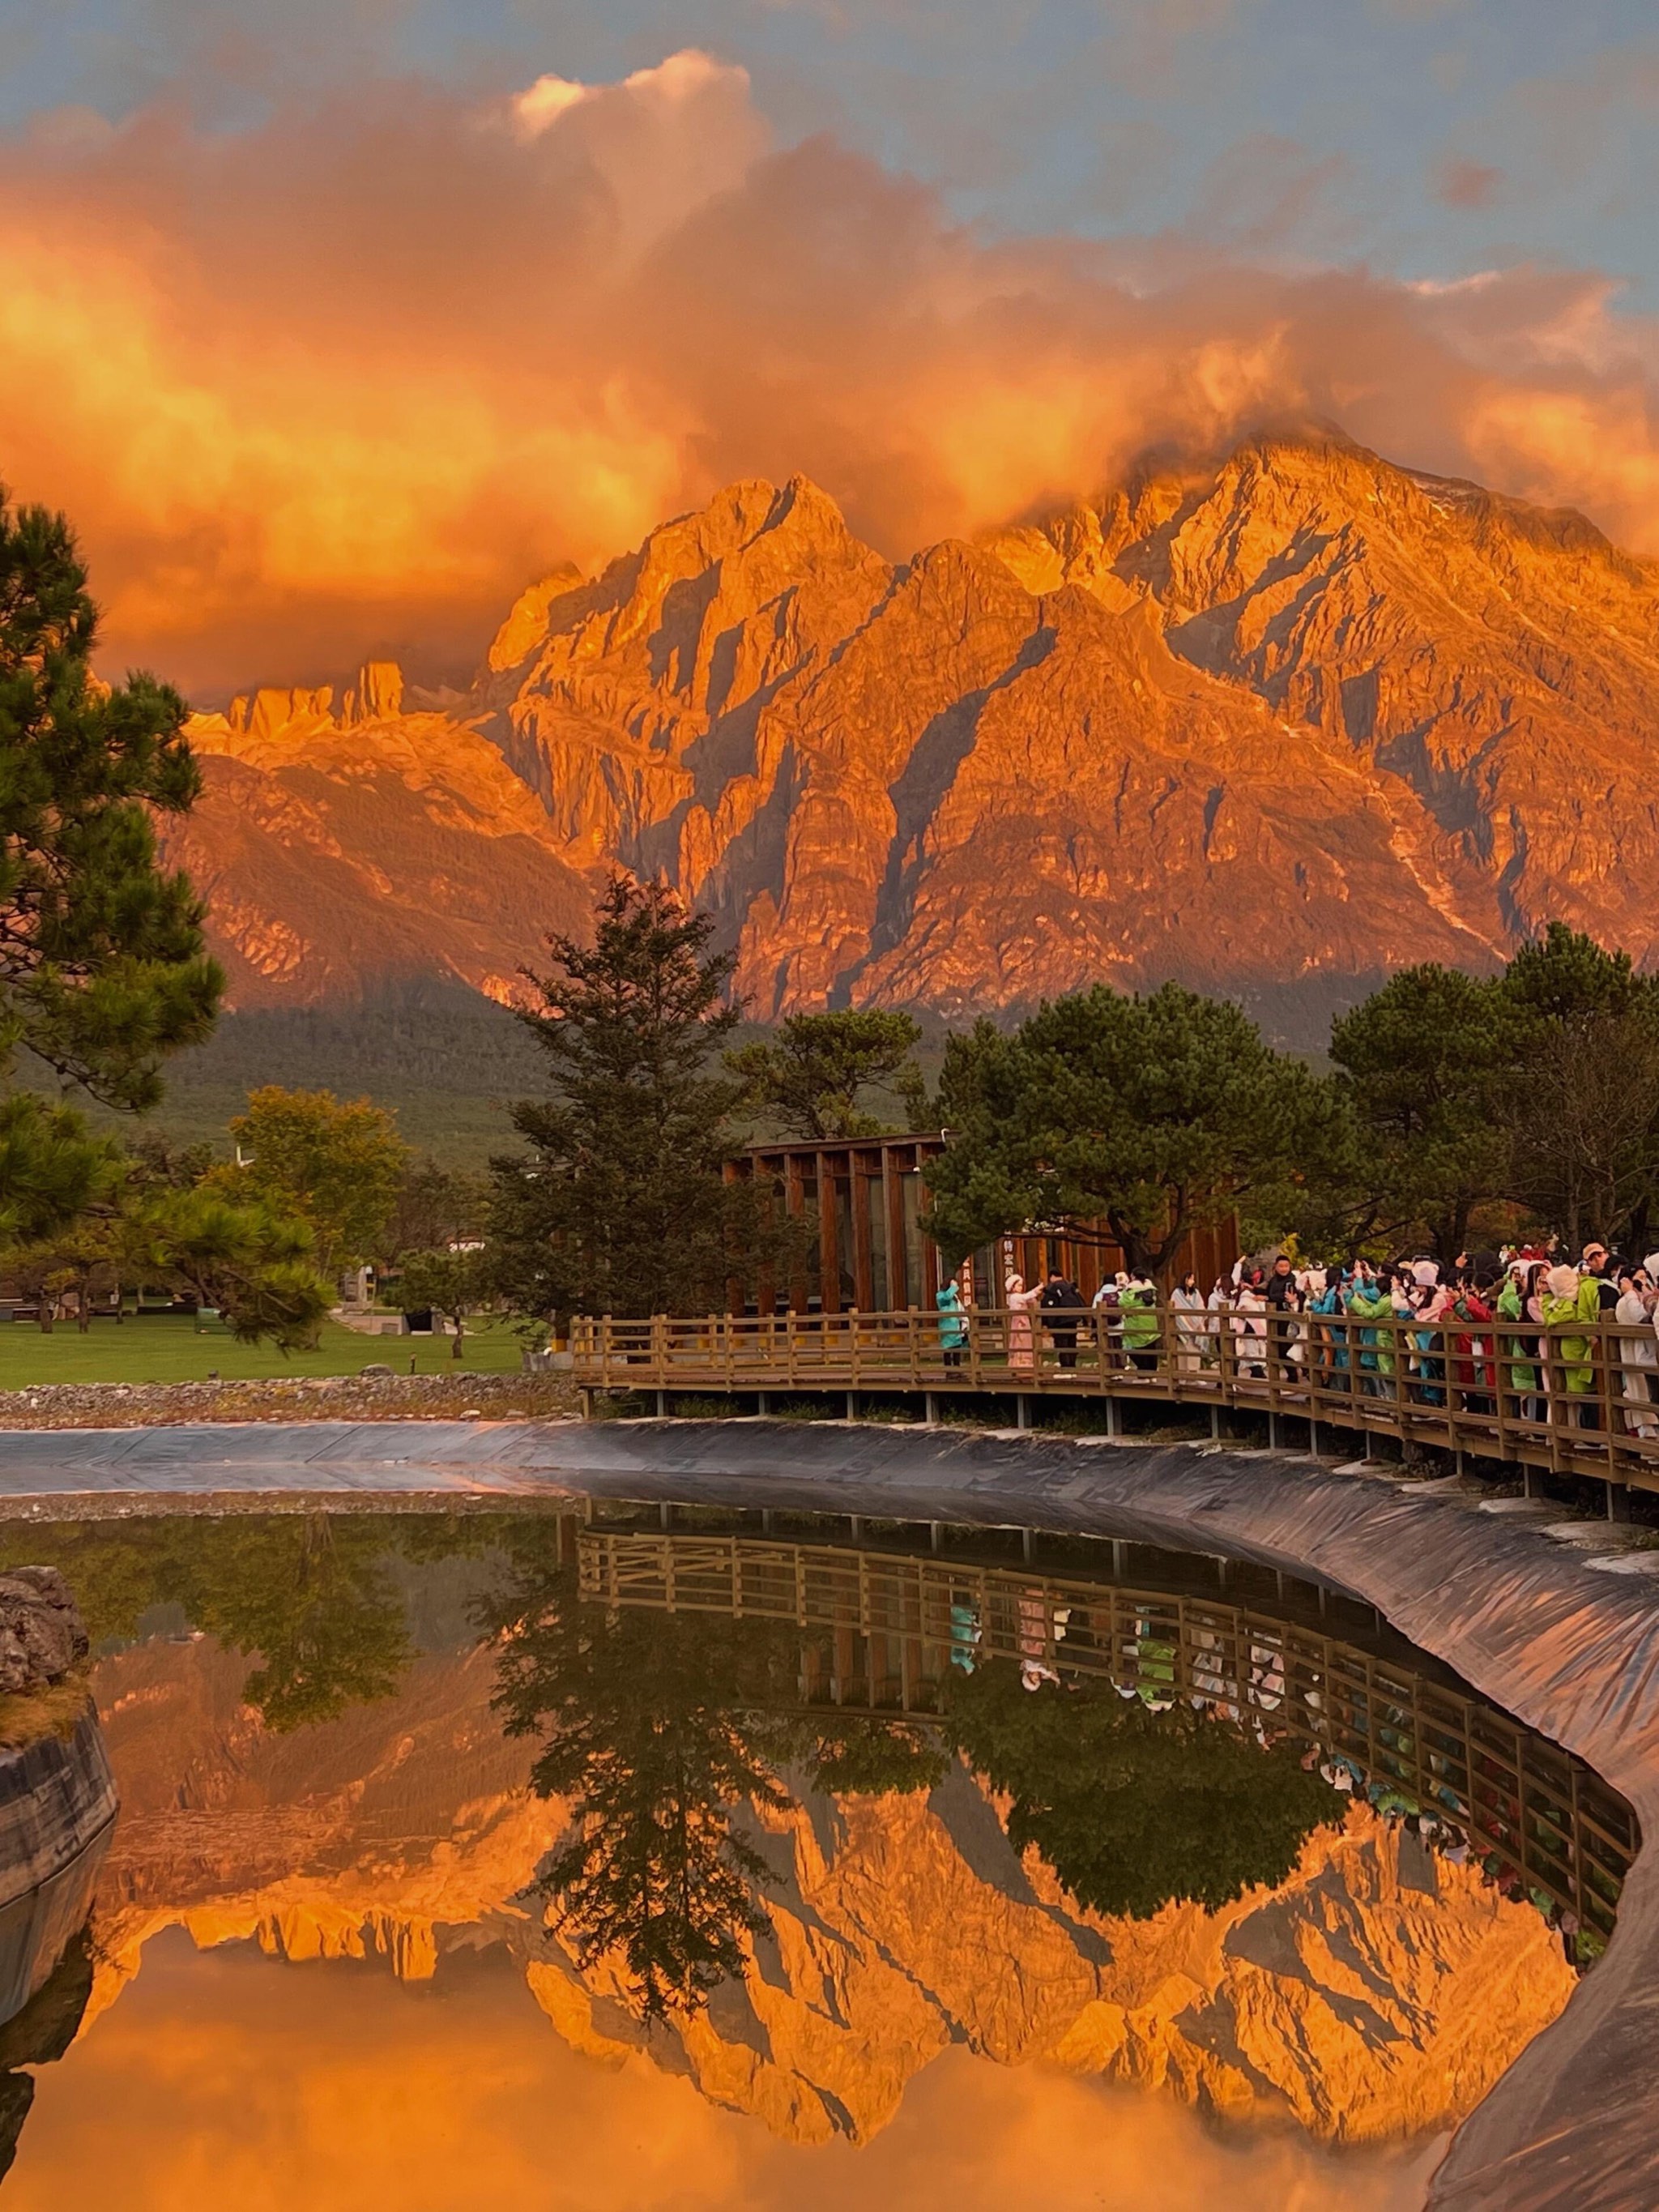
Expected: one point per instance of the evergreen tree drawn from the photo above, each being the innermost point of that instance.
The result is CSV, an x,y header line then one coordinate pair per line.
x,y
620,1206
1581,1090
101,967
811,1076
102,972
1154,1115
1426,1063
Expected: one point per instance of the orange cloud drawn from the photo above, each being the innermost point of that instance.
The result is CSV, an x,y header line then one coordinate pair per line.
x,y
344,382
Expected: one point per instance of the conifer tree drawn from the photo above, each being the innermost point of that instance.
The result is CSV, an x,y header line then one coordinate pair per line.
x,y
102,971
620,1206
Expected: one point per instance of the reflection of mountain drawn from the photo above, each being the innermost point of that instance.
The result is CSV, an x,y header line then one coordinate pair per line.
x,y
1375,1992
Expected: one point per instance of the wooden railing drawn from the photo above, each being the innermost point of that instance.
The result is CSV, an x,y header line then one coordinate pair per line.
x,y
883,1632
1573,1399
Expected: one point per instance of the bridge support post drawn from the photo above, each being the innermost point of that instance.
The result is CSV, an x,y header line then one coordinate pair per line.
x,y
768,1520
1022,1411
1272,1430
852,1405
762,1403
930,1404
1532,1480
936,1535
1215,1423
1114,1419
666,1514
1313,1437
662,1405
1028,1545
585,1399
1618,1501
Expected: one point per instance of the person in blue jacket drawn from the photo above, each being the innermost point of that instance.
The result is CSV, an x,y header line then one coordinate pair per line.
x,y
952,1323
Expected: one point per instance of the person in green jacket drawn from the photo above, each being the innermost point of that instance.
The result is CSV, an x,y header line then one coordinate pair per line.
x,y
1138,1304
1371,1299
1519,1375
1573,1302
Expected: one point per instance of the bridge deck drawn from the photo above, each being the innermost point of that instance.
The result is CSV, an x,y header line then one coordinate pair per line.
x,y
1567,1401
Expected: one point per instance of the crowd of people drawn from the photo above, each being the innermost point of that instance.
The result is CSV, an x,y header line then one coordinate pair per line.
x,y
1523,1323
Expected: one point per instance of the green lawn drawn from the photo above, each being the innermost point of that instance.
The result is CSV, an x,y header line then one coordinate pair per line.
x,y
170,1348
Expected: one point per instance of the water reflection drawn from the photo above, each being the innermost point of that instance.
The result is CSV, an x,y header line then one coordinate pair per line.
x,y
794,1811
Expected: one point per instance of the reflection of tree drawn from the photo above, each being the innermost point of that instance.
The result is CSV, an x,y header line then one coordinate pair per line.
x,y
653,1725
312,1597
867,1755
1133,1807
307,1593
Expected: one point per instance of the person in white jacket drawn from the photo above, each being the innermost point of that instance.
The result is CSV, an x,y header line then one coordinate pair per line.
x,y
1638,1356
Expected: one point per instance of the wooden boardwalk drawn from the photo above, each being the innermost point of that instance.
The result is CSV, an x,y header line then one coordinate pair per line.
x,y
1576,1411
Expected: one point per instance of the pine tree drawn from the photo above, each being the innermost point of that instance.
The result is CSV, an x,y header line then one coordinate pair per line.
x,y
620,1206
102,971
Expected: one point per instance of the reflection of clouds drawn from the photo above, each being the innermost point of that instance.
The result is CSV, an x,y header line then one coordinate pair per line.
x,y
228,2080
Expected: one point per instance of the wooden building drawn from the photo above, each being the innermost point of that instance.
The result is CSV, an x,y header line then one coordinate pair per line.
x,y
863,1207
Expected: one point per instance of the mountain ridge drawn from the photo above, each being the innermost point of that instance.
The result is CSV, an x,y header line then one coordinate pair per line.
x,y
1293,713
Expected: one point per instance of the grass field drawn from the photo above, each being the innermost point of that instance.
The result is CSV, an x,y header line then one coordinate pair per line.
x,y
170,1348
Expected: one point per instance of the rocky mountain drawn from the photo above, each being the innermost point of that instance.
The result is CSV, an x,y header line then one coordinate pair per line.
x,y
1294,713
1377,1994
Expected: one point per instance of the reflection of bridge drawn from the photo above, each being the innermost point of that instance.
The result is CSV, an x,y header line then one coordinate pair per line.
x,y
882,1631
1571,1406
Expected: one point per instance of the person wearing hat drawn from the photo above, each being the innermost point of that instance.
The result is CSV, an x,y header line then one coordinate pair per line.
x,y
1599,1263
1022,1339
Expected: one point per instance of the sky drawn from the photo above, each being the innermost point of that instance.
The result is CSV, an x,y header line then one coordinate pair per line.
x,y
332,322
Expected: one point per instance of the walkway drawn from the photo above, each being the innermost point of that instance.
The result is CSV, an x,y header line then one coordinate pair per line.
x,y
1574,1412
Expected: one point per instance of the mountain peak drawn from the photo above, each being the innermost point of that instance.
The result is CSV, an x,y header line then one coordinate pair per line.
x,y
1287,711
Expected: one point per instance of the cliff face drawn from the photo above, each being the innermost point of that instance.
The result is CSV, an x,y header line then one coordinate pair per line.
x,y
1375,1994
1298,712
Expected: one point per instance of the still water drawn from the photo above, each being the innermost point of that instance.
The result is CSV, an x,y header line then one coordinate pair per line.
x,y
565,1860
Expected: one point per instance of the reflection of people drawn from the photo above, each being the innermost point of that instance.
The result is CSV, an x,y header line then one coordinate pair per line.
x,y
1022,1341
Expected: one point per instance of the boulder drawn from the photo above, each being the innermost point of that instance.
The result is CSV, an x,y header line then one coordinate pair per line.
x,y
42,1635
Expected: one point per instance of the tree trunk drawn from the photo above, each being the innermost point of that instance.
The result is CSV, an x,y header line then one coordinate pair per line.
x,y
459,1320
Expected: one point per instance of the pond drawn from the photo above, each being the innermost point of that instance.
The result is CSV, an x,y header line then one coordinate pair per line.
x,y
627,1857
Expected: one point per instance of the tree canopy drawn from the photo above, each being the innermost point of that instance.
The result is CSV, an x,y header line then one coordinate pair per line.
x,y
811,1076
339,1167
1153,1115
1535,1090
620,1205
102,972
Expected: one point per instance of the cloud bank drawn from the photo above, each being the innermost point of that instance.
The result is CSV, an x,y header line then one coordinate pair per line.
x,y
345,381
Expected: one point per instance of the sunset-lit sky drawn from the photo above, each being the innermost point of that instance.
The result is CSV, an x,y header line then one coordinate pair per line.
x,y
329,336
